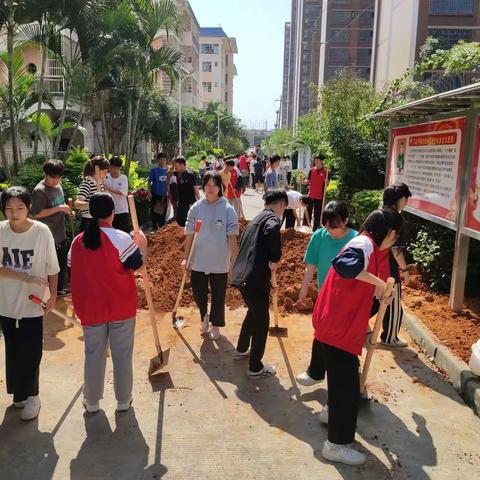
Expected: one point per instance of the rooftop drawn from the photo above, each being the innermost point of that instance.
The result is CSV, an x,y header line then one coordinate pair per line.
x,y
212,32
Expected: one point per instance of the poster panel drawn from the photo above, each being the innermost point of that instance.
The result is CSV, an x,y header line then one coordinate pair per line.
x,y
472,219
428,158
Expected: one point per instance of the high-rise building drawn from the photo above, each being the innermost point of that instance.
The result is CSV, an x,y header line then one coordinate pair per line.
x,y
217,67
403,26
286,76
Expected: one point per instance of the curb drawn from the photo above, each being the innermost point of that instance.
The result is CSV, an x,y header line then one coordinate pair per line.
x,y
463,380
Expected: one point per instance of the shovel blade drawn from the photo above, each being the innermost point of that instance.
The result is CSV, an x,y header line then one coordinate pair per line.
x,y
278,331
158,362
178,322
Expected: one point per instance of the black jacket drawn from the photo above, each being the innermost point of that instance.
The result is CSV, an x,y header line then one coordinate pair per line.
x,y
259,245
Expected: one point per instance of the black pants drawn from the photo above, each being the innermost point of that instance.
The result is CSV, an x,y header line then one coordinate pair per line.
x,y
289,218
182,212
121,221
254,332
158,219
316,207
218,289
84,223
392,320
62,253
343,389
23,352
289,177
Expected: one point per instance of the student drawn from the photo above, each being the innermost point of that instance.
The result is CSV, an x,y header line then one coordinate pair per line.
x,y
214,253
243,167
395,196
104,296
271,177
323,247
49,207
158,185
188,192
340,321
232,184
258,169
316,181
259,253
117,185
29,267
287,166
295,201
218,163
202,167
90,185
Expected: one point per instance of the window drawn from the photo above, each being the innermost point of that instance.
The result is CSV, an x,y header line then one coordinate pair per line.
x,y
338,56
341,2
226,59
226,79
189,59
341,17
339,36
364,56
452,7
365,36
31,68
226,96
206,66
209,48
216,64
451,35
216,84
207,86
189,88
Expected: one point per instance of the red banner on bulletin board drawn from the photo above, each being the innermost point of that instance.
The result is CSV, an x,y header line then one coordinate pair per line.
x,y
472,219
428,158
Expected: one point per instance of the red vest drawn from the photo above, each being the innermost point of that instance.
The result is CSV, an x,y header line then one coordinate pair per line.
x,y
342,309
317,183
103,290
233,193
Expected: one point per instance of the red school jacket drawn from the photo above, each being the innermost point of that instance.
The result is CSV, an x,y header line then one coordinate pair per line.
x,y
342,309
317,183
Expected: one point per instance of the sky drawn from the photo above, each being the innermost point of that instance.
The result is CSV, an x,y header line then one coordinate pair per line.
x,y
258,26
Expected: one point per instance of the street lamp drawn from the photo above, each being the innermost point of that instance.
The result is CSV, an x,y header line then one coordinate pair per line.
x,y
218,111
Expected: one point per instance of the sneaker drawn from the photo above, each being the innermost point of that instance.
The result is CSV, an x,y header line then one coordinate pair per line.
x,y
342,454
239,355
306,380
205,325
266,371
395,344
323,415
32,408
91,407
214,333
20,404
63,293
123,407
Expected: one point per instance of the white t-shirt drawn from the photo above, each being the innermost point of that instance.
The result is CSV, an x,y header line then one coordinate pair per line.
x,y
287,165
294,199
121,184
31,252
252,166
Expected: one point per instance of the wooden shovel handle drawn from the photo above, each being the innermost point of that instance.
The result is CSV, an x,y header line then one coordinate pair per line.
x,y
375,333
324,195
275,297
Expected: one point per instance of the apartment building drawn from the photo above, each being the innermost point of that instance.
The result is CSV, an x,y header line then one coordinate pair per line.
x,y
188,42
286,76
217,67
403,25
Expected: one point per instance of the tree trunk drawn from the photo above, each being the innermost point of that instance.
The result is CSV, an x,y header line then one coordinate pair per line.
x,y
128,137
11,108
66,95
134,130
104,125
3,156
40,101
77,125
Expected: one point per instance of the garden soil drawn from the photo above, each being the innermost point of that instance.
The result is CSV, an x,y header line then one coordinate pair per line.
x,y
165,253
457,331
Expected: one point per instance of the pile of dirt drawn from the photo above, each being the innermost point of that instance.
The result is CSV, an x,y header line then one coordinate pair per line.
x,y
457,331
165,255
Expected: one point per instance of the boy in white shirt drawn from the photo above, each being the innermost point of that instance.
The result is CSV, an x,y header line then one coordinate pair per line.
x,y
117,185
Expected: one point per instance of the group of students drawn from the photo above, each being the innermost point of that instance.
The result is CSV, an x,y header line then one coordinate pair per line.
x,y
351,270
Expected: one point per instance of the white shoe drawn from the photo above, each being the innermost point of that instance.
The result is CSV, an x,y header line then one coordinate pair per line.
x,y
395,344
239,355
266,371
205,325
323,415
91,407
342,454
306,380
20,404
32,408
123,407
214,333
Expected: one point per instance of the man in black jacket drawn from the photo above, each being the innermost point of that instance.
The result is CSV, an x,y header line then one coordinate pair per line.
x,y
259,253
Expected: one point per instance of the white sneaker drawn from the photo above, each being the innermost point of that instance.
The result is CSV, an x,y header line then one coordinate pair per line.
x,y
205,325
239,355
32,408
323,415
266,371
20,404
342,454
306,380
395,344
91,407
214,333
123,407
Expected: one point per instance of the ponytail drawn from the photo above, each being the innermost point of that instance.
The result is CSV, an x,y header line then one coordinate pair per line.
x,y
98,161
101,206
91,236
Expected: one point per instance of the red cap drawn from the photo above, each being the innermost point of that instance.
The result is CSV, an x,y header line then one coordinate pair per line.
x,y
198,225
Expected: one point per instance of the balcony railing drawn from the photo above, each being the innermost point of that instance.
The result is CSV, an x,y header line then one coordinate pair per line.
x,y
55,86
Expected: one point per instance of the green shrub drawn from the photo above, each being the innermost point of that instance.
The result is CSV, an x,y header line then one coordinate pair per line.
x,y
28,176
363,203
74,164
332,191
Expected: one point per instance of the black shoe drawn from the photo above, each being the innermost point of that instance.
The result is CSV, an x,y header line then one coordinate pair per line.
x,y
63,293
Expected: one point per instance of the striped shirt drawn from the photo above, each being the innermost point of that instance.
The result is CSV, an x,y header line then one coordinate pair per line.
x,y
87,188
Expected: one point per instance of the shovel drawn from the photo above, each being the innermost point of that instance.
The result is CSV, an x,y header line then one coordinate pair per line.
x,y
276,331
374,337
58,313
160,360
179,322
305,228
72,225
324,195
